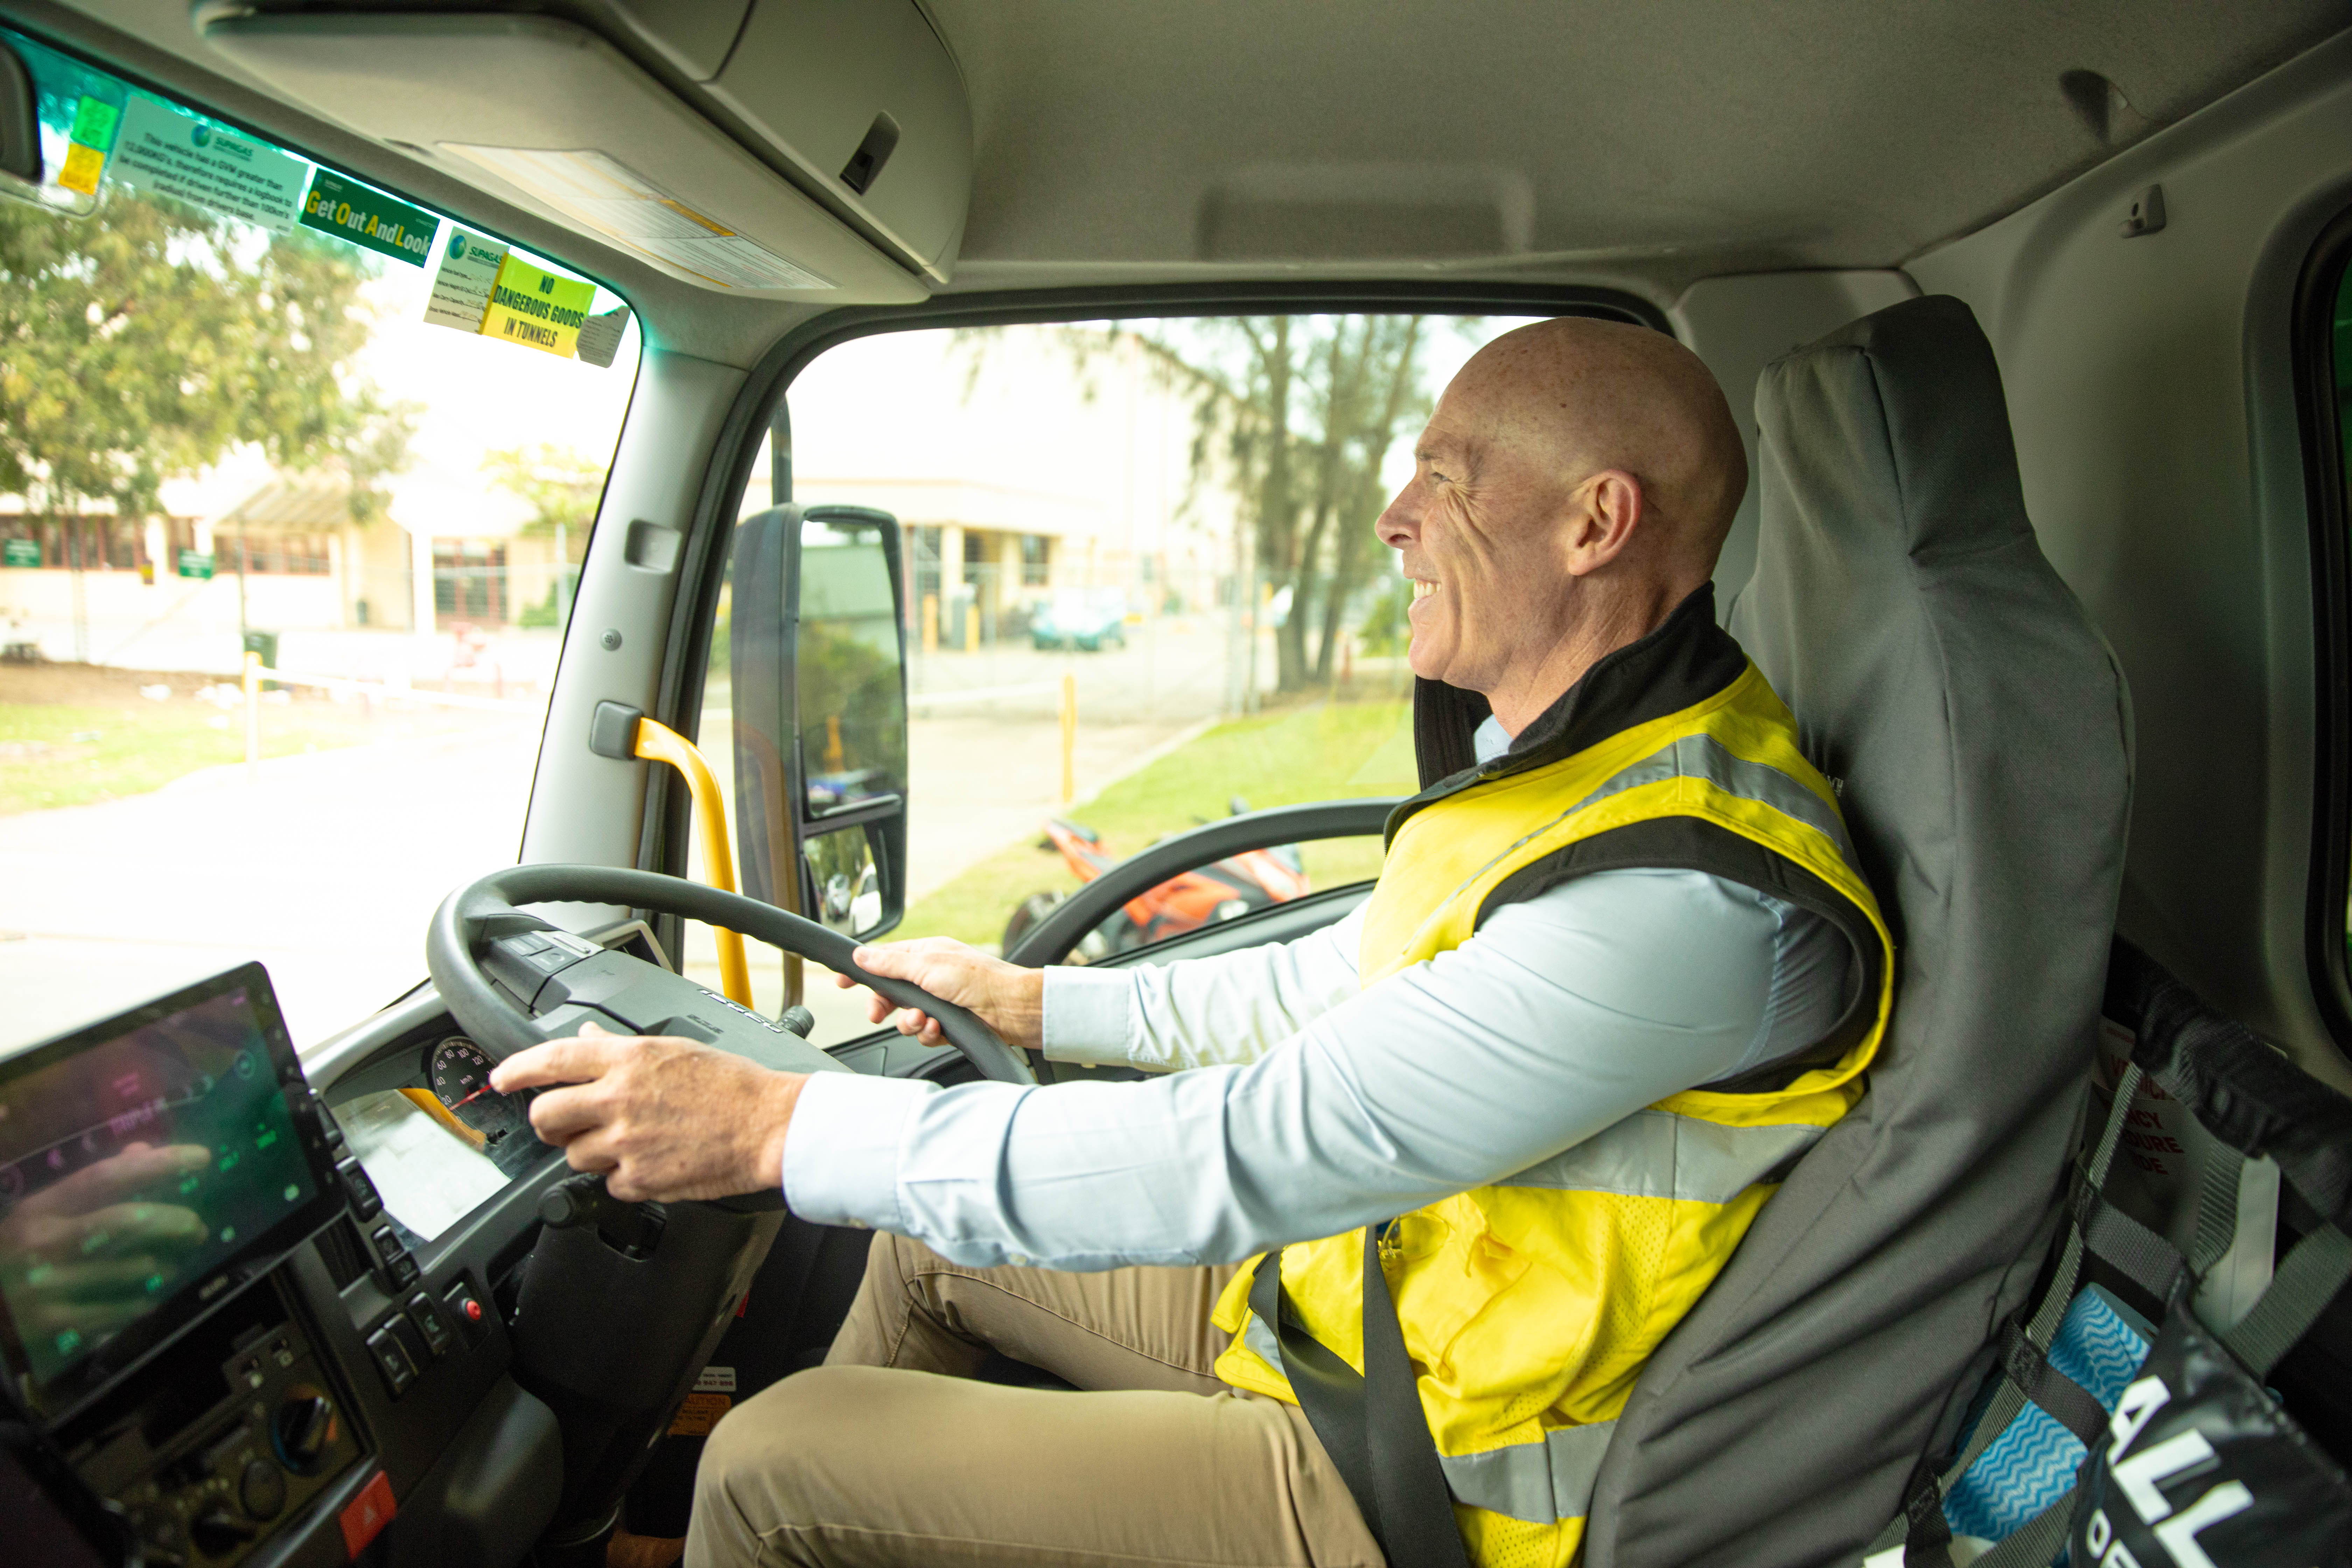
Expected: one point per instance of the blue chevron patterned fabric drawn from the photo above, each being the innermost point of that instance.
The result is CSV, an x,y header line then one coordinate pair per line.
x,y
2100,1345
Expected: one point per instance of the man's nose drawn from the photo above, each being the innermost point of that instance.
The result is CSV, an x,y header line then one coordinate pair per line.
x,y
1400,524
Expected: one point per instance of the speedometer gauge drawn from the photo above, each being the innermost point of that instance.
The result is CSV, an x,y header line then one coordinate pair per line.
x,y
459,1073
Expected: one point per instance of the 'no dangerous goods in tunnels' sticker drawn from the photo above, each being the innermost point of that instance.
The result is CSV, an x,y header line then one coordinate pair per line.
x,y
474,267
537,308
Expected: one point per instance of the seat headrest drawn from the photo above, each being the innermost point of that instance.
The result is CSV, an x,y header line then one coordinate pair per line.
x,y
1900,415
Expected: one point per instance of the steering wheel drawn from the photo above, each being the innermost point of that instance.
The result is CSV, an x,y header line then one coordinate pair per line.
x,y
480,942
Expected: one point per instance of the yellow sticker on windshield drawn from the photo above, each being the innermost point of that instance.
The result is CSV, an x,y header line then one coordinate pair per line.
x,y
83,165
537,308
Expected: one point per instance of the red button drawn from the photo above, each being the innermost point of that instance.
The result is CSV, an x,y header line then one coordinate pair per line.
x,y
364,1517
473,1309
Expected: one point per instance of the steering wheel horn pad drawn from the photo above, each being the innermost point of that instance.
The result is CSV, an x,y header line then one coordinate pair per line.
x,y
482,949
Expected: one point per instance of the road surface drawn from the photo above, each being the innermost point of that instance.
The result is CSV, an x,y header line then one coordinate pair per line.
x,y
327,866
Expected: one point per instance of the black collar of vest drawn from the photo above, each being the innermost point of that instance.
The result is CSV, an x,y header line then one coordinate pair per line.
x,y
1686,660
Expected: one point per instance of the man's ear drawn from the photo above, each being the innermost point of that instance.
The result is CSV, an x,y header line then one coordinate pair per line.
x,y
1604,514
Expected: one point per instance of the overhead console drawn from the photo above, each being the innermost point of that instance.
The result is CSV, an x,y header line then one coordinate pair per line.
x,y
790,149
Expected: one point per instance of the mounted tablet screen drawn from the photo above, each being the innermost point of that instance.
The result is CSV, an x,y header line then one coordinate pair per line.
x,y
148,1164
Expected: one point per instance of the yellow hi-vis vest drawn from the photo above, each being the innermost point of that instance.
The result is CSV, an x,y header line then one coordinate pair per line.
x,y
1530,1306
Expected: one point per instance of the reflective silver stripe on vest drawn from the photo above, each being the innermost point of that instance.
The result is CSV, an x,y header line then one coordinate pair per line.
x,y
1258,1335
1657,1155
1542,1483
1704,757
1698,757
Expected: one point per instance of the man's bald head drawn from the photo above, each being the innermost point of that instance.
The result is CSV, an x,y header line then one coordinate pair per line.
x,y
1575,483
1575,395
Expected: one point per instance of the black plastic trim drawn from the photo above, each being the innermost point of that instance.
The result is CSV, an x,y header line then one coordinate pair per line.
x,y
1053,938
2312,344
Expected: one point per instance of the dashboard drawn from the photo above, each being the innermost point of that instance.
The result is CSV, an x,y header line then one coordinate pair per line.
x,y
246,1323
257,1329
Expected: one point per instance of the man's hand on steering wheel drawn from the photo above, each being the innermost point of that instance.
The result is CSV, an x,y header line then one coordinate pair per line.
x,y
1008,998
668,1119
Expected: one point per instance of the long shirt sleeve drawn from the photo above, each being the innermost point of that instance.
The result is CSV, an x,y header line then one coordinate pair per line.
x,y
1204,1012
1562,1016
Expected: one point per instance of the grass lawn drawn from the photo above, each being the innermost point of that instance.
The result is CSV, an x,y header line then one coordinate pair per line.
x,y
73,734
1323,751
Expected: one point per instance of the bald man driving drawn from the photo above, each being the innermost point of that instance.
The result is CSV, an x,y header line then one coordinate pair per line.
x,y
1618,973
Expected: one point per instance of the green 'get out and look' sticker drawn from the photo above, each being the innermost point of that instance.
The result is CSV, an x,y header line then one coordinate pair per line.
x,y
351,211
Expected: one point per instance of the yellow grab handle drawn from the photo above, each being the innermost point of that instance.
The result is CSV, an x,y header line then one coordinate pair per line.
x,y
660,744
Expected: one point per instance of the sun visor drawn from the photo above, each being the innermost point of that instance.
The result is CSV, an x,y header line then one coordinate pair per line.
x,y
558,119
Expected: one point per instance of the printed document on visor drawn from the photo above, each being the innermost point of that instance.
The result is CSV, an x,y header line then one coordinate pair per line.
x,y
614,199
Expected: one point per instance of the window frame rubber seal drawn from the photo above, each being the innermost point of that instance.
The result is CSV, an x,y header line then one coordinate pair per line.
x,y
2319,414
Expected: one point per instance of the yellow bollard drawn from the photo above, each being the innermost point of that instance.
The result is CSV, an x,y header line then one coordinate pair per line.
x,y
252,713
1069,738
930,623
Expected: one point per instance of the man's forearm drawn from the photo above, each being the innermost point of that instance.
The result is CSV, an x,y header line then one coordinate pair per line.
x,y
1204,1012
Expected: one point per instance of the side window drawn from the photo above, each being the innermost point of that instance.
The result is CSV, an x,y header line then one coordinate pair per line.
x,y
1142,592
252,406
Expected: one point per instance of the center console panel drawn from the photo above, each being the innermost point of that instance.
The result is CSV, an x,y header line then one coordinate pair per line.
x,y
297,1385
238,1429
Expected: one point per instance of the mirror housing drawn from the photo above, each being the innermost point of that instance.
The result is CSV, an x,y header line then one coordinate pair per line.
x,y
817,662
20,125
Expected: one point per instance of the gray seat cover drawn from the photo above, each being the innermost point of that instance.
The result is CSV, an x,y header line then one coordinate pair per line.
x,y
1940,669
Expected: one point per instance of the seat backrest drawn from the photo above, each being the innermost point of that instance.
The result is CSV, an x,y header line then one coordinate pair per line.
x,y
1944,675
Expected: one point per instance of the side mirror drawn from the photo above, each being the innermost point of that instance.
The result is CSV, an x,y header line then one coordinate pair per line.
x,y
817,662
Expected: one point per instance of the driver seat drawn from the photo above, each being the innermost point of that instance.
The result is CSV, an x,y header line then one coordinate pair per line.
x,y
1977,727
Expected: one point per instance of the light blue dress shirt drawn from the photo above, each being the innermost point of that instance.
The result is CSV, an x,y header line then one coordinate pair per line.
x,y
1294,1104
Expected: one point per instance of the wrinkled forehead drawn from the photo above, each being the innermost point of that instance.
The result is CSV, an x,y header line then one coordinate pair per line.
x,y
1506,403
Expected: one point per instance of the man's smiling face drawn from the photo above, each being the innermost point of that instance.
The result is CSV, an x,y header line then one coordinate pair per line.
x,y
1573,487
1476,528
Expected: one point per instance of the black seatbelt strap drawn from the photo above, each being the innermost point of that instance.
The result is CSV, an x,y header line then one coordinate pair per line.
x,y
1372,1425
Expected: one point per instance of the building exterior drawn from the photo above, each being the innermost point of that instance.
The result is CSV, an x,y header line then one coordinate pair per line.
x,y
287,554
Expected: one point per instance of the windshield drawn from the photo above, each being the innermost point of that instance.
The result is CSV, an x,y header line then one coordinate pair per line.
x,y
254,409
1184,612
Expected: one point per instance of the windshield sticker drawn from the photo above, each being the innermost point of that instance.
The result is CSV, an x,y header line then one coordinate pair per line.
x,y
93,122
348,210
600,336
91,134
461,288
174,155
536,308
608,196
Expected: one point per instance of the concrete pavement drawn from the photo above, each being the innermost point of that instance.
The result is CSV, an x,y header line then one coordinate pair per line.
x,y
325,866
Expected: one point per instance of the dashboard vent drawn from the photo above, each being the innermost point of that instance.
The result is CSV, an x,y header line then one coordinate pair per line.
x,y
346,1260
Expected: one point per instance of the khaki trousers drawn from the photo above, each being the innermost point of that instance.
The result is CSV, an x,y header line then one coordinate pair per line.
x,y
891,1453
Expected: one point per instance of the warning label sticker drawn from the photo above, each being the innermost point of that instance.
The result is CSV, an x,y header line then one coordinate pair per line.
x,y
614,200
600,336
698,1414
537,308
461,288
161,150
